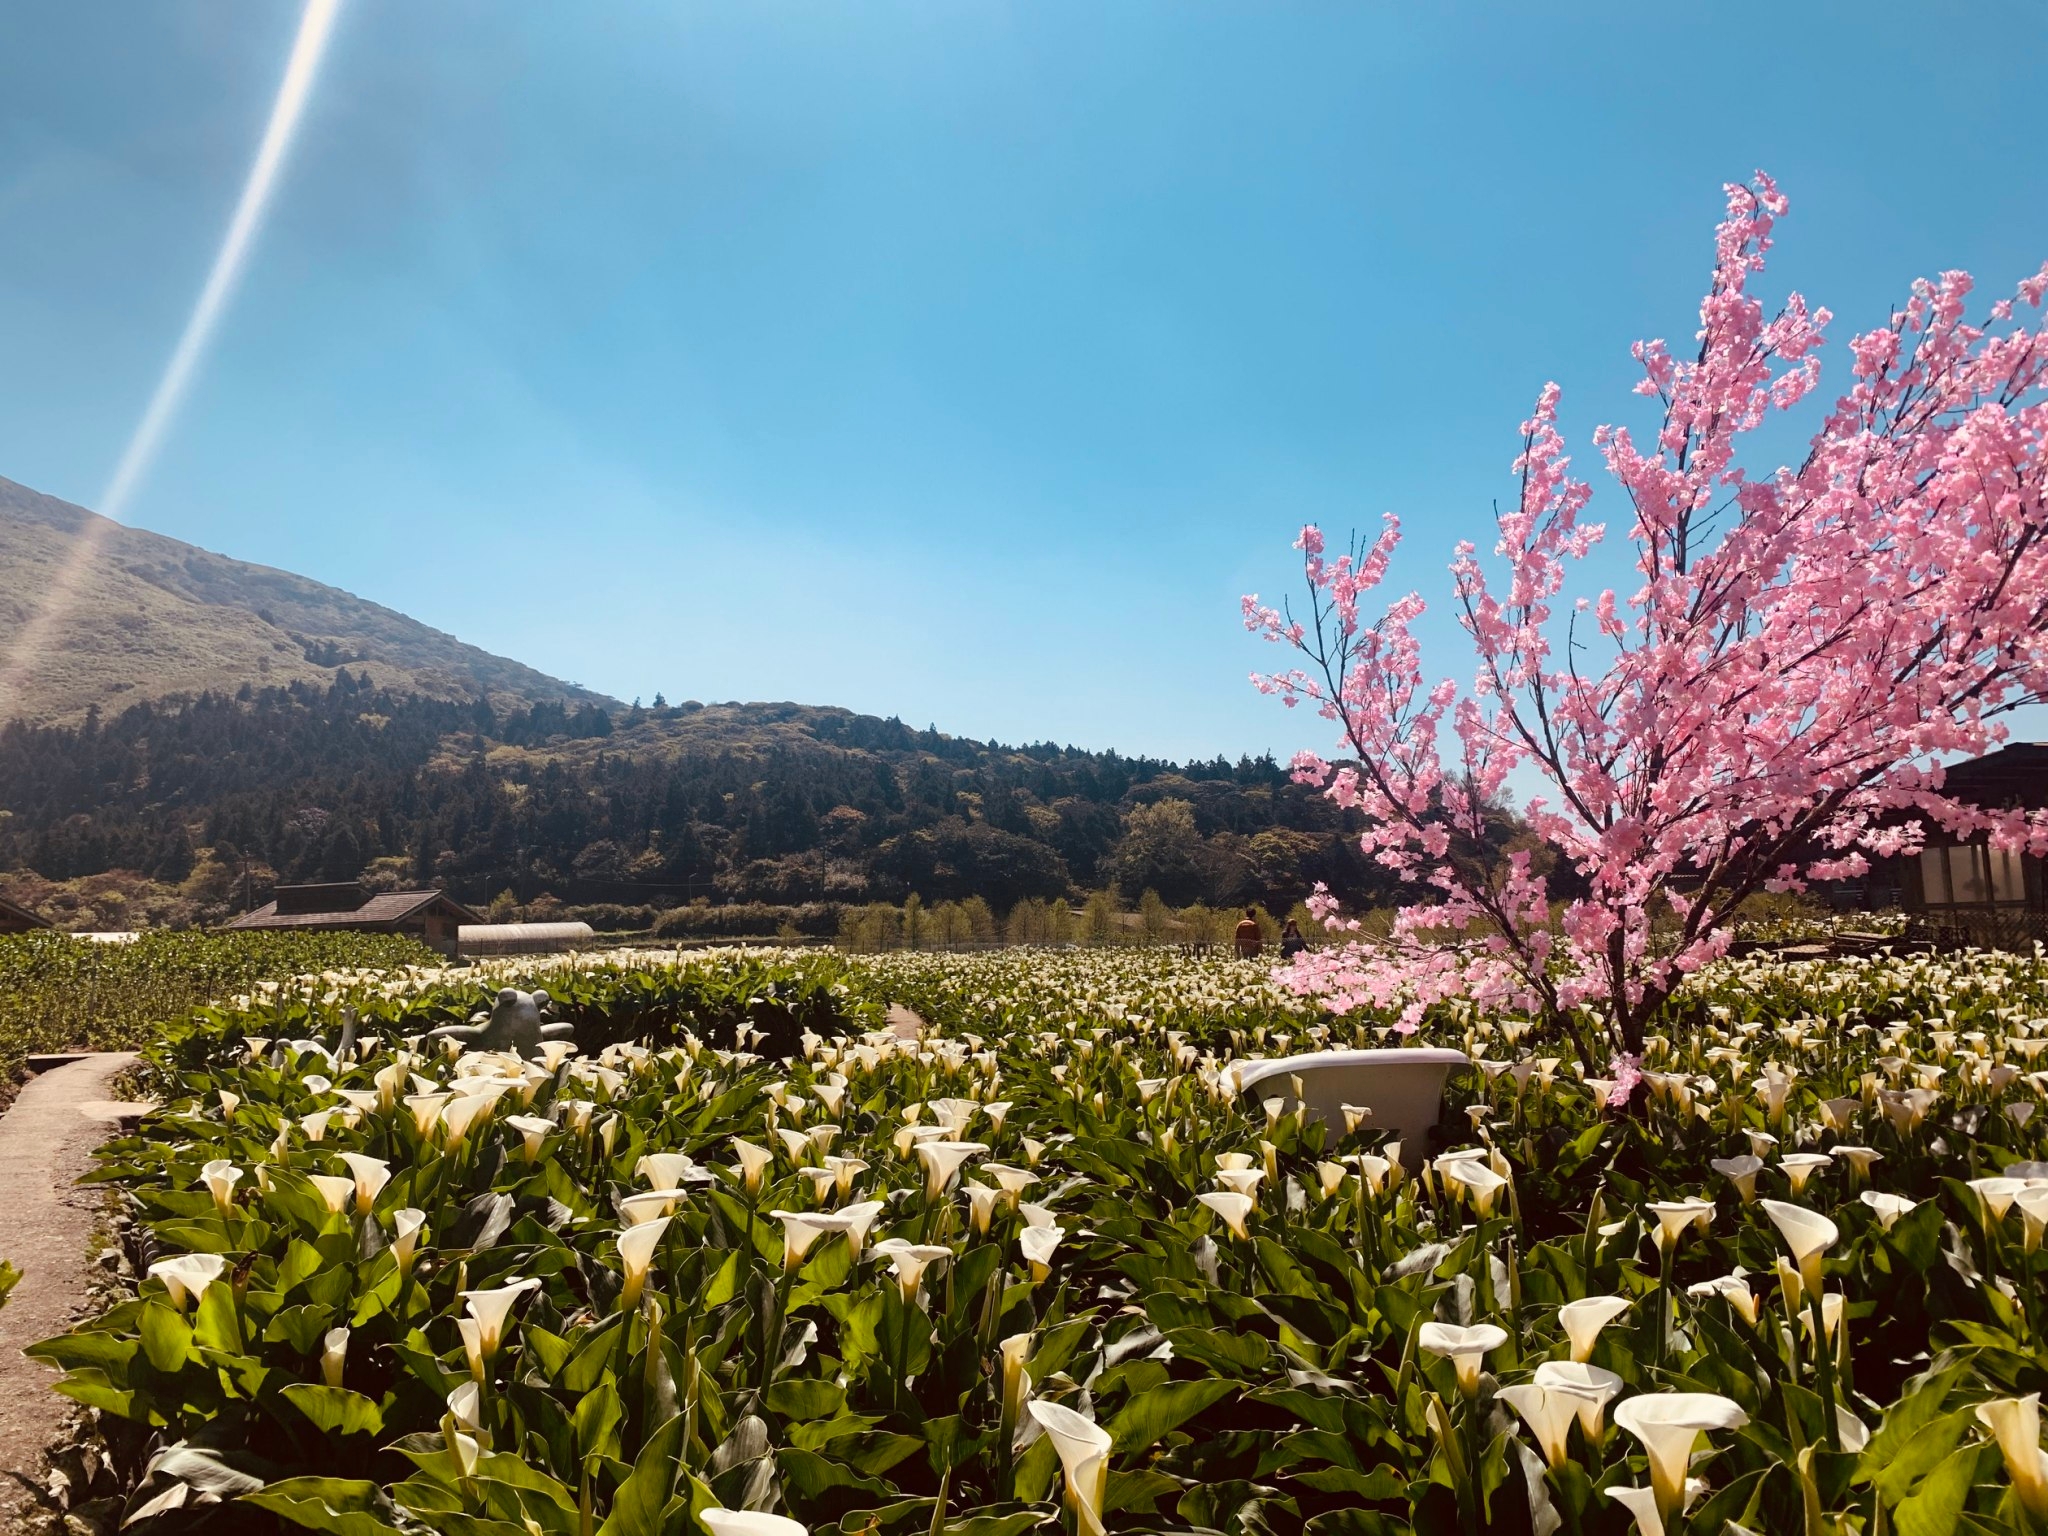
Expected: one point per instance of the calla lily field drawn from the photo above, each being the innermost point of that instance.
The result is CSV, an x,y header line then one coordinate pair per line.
x,y
741,1258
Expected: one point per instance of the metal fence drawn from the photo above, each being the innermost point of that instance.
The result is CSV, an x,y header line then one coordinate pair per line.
x,y
2015,928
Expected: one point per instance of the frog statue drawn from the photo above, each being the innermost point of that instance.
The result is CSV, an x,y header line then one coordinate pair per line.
x,y
514,1025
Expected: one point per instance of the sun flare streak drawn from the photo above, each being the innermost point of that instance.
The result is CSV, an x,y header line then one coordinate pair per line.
x,y
316,23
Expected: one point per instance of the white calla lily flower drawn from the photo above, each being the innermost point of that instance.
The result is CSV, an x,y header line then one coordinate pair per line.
x,y
1466,1348
908,1262
2033,1208
2015,1423
334,1191
187,1275
1669,1425
406,1227
426,1110
490,1310
1233,1208
1997,1195
1733,1289
981,1204
800,1229
1549,1416
1889,1207
749,1522
664,1170
1642,1504
637,1245
1590,1387
1741,1172
1798,1167
855,1220
220,1177
648,1206
371,1174
1674,1216
942,1163
1808,1234
465,1403
1582,1321
333,1355
1037,1245
533,1134
753,1161
1083,1447
1016,1355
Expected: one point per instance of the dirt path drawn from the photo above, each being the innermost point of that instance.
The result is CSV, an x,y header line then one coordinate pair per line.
x,y
905,1024
47,1139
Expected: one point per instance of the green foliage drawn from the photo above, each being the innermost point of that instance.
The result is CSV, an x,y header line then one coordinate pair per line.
x,y
62,993
777,805
1279,1381
747,920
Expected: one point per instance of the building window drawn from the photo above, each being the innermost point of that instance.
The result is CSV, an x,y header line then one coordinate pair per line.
x,y
1971,875
2008,876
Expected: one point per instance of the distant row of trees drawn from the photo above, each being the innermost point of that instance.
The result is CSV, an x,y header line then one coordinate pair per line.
x,y
1100,920
218,798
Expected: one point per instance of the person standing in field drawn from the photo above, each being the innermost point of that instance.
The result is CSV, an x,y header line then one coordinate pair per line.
x,y
1291,941
1249,940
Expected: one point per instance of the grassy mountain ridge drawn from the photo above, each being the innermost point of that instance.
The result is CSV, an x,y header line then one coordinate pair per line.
x,y
158,618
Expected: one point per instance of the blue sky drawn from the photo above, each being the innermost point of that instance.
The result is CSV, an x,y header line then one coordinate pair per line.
x,y
956,360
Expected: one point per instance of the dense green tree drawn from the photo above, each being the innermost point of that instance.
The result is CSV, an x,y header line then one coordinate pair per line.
x,y
1161,852
779,803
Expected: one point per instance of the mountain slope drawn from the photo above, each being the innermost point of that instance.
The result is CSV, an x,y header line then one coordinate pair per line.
x,y
155,618
253,726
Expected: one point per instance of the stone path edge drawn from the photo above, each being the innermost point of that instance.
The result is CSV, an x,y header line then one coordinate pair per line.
x,y
47,1139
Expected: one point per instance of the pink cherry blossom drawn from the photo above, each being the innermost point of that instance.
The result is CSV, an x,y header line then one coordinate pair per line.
x,y
1770,706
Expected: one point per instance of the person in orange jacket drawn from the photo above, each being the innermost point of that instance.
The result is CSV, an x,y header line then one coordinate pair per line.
x,y
1249,940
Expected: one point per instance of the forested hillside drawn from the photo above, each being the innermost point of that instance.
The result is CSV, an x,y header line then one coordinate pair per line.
x,y
220,797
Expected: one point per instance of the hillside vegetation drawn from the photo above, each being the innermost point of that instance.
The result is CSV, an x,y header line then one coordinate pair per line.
x,y
776,803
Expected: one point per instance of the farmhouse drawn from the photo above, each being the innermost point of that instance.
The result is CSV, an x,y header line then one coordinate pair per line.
x,y
15,919
433,917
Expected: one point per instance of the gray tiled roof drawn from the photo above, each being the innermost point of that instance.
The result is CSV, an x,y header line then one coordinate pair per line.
x,y
384,907
21,914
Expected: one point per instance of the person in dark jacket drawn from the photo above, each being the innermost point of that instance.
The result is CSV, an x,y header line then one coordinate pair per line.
x,y
1291,941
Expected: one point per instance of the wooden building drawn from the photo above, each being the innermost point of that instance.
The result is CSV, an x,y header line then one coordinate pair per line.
x,y
14,919
1967,892
432,917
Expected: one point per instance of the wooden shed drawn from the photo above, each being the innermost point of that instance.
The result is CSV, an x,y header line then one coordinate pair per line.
x,y
433,917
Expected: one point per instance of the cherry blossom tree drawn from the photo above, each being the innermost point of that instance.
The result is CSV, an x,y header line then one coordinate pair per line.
x,y
1769,706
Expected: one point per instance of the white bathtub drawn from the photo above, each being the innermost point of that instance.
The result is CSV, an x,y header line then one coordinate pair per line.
x,y
1404,1088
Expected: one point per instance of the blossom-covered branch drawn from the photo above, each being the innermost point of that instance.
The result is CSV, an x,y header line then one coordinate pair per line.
x,y
1771,704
